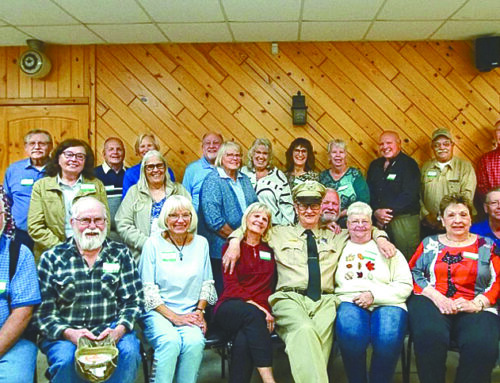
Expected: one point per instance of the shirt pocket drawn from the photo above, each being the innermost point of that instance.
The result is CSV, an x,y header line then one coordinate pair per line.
x,y
454,186
66,289
109,285
293,253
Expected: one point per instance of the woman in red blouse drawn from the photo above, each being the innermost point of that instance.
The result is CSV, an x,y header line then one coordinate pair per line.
x,y
242,309
456,286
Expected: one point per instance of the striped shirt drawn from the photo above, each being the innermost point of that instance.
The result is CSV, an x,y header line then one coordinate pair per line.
x,y
77,296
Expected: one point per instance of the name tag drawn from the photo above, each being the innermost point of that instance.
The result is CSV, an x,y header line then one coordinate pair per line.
x,y
109,187
111,267
87,187
265,255
168,256
470,255
342,188
3,286
391,177
432,173
27,181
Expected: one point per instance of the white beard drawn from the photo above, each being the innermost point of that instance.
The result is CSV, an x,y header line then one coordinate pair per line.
x,y
90,242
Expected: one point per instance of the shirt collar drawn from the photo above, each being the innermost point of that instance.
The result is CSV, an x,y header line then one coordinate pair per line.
x,y
205,164
28,165
61,183
223,174
106,168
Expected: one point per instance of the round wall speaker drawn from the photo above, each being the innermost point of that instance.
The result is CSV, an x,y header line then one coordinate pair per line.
x,y
34,63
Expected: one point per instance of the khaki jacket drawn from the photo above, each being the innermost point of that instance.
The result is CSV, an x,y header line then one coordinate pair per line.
x,y
46,214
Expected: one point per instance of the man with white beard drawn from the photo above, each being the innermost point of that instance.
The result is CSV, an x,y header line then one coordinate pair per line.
x,y
330,207
90,288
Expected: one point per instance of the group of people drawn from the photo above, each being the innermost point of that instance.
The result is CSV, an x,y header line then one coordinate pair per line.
x,y
313,256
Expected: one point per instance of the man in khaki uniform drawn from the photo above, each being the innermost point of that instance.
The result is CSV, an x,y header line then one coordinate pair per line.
x,y
445,174
305,323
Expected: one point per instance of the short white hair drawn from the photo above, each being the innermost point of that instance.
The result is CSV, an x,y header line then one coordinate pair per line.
x,y
359,208
82,203
174,203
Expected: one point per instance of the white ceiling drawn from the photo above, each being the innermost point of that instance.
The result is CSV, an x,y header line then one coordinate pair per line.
x,y
155,21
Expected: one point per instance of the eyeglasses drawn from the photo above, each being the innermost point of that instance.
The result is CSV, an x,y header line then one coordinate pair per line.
x,y
86,221
301,151
493,203
184,216
359,222
151,167
42,144
232,155
313,206
444,144
78,156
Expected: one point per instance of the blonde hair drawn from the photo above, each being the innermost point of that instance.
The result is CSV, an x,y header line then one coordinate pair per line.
x,y
255,207
264,142
141,137
338,143
175,203
226,145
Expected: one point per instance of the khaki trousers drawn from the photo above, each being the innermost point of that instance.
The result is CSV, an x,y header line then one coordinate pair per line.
x,y
404,232
306,327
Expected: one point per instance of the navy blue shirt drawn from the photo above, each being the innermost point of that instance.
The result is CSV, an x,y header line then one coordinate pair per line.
x,y
110,178
396,187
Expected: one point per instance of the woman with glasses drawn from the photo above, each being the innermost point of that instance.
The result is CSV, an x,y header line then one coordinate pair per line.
x,y
225,195
178,284
137,217
300,162
69,176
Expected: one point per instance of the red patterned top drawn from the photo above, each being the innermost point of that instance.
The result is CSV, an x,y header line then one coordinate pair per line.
x,y
488,172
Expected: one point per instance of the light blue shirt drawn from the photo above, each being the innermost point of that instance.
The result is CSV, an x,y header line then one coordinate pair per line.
x,y
179,280
193,178
18,183
236,186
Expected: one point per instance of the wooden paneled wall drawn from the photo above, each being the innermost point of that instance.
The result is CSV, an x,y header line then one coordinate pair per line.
x,y
353,90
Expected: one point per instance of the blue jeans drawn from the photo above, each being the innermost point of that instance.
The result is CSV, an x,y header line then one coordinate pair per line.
x,y
178,350
18,364
384,328
61,359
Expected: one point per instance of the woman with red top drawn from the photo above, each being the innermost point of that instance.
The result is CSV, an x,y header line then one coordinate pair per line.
x,y
456,286
242,309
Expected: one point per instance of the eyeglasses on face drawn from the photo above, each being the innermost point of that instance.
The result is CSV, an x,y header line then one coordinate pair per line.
x,y
42,144
184,216
232,155
313,206
78,156
151,167
86,221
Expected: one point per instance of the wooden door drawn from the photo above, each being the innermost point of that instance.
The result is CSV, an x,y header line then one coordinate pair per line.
x,y
62,121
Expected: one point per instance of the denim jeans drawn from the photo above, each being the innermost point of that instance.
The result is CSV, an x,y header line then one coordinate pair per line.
x,y
384,327
18,364
61,360
178,349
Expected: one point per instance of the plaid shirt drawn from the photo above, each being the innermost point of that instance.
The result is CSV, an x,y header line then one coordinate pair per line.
x,y
76,296
488,172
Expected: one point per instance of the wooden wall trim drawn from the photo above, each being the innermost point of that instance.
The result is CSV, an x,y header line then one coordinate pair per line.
x,y
44,101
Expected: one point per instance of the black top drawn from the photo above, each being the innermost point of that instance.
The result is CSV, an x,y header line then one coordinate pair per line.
x,y
396,188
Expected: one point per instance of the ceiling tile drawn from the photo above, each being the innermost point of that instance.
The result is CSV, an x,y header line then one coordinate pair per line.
x,y
197,33
11,36
262,10
400,30
278,31
29,12
63,34
128,33
480,9
418,9
465,30
333,30
183,10
326,10
109,11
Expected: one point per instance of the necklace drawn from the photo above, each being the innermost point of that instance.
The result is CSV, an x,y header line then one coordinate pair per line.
x,y
458,242
177,247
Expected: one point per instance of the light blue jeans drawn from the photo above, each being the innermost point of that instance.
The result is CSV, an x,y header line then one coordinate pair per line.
x,y
61,359
178,350
18,364
384,327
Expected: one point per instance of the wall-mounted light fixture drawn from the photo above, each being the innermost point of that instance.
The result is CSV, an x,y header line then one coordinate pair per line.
x,y
33,62
299,109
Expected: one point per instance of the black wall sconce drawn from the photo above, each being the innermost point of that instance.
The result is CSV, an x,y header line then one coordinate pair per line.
x,y
299,109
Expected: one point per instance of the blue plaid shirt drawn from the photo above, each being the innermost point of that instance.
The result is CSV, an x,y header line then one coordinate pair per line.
x,y
77,296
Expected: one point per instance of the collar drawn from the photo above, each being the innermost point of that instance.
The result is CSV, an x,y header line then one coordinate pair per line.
x,y
61,183
106,168
223,174
27,165
205,164
449,164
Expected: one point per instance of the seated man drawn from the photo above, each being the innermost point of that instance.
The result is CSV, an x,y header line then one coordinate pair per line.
x,y
490,227
304,305
90,287
19,292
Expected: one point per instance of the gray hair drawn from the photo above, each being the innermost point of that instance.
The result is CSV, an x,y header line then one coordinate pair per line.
x,y
32,132
143,181
336,142
360,208
269,146
174,203
82,203
226,145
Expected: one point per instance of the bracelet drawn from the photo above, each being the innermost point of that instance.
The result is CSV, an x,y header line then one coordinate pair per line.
x,y
200,309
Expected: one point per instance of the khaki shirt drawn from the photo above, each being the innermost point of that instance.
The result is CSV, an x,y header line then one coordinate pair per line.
x,y
458,176
290,250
